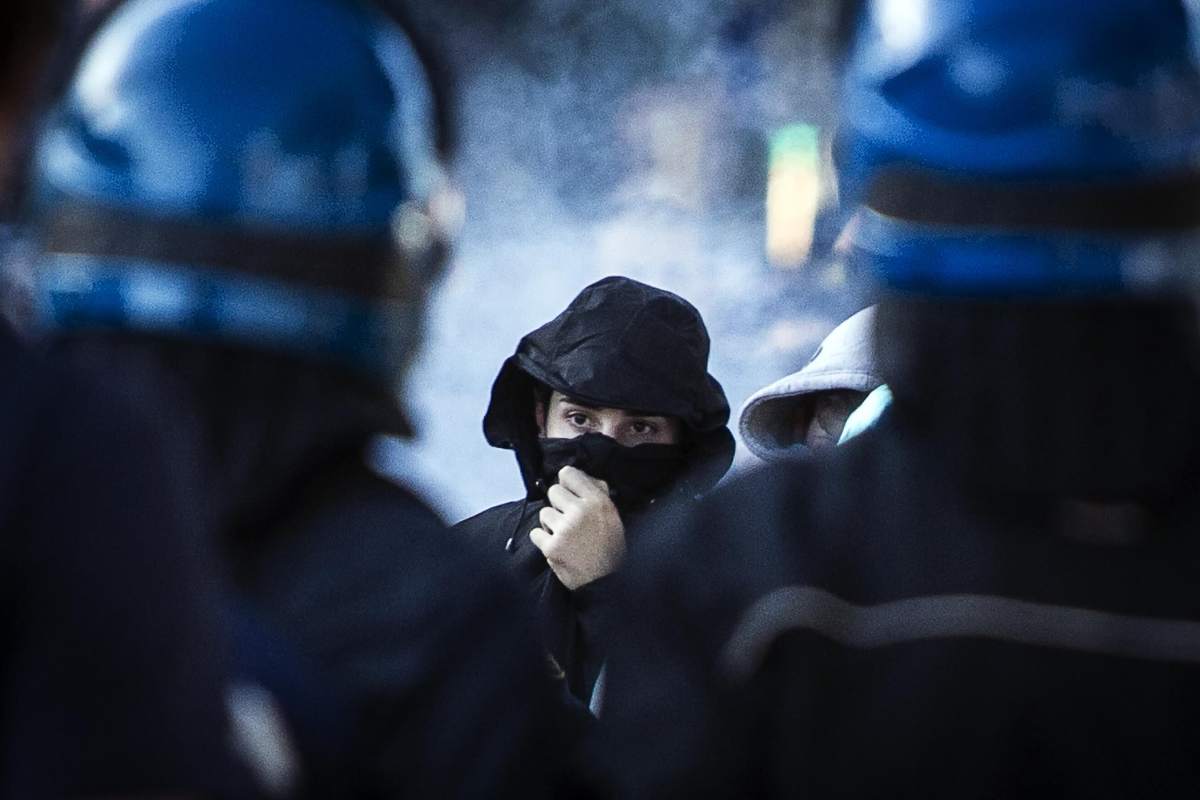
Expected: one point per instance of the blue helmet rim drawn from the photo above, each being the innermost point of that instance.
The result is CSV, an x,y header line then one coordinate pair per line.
x,y
946,260
76,293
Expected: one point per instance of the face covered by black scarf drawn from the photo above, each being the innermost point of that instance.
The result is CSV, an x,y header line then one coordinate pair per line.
x,y
635,475
626,345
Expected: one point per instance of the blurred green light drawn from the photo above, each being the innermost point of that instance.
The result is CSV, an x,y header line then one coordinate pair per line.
x,y
799,142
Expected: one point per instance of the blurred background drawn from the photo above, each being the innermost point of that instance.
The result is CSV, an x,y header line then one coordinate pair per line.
x,y
686,144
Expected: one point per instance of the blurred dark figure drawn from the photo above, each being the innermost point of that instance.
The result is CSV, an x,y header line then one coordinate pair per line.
x,y
114,669
241,205
610,409
992,593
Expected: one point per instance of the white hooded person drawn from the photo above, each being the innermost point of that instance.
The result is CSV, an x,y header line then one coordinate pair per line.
x,y
807,410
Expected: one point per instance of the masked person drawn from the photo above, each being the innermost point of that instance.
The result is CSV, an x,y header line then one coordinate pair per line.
x,y
992,592
240,206
610,409
806,411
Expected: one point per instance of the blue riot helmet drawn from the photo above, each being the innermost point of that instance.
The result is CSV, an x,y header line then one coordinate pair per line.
x,y
260,172
1023,147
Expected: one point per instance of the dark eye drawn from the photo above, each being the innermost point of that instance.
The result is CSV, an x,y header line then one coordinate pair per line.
x,y
643,428
577,419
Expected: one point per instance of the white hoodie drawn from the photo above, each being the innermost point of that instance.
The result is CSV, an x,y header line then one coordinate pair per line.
x,y
844,360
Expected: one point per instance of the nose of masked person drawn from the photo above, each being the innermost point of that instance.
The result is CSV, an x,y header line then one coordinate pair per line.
x,y
636,476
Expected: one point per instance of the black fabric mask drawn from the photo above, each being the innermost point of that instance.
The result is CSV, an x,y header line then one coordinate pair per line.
x,y
635,475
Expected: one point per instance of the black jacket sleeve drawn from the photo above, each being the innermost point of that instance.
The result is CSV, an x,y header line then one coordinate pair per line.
x,y
573,626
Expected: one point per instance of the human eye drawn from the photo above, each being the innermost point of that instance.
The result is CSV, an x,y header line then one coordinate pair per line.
x,y
577,418
644,427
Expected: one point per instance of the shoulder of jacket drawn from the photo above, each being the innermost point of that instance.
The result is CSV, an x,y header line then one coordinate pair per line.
x,y
505,513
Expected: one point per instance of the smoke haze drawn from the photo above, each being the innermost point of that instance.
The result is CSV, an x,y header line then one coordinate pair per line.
x,y
617,138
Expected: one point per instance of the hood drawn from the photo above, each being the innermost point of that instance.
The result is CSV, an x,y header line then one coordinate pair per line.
x,y
619,344
844,360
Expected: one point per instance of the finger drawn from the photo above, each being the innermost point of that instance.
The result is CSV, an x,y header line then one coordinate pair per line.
x,y
561,497
580,483
541,540
550,519
592,491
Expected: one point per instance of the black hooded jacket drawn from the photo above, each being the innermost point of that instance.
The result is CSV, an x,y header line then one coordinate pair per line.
x,y
991,594
619,344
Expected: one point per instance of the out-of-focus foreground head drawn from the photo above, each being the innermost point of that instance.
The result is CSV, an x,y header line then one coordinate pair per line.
x,y
1017,147
257,172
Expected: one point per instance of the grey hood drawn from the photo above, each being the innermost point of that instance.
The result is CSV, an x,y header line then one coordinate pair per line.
x,y
844,360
